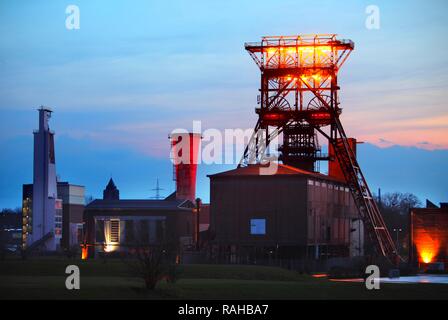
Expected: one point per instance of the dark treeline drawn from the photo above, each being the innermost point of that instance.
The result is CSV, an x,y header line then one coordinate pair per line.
x,y
395,207
11,218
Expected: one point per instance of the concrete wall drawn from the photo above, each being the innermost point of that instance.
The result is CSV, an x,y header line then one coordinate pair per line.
x,y
71,194
330,211
71,214
73,201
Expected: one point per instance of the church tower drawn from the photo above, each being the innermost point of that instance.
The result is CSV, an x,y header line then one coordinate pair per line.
x,y
111,192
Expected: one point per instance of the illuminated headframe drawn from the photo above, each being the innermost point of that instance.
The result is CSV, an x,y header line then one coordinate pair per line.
x,y
299,74
306,51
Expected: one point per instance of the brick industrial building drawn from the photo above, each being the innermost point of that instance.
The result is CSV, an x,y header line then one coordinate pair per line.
x,y
114,224
292,214
429,235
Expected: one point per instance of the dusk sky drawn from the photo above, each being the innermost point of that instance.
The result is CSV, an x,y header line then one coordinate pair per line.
x,y
135,71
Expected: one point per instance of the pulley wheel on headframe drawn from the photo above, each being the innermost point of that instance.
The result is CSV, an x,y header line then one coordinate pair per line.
x,y
280,58
277,111
278,103
319,112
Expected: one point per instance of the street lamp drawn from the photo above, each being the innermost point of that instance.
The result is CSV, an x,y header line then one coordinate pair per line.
x,y
397,230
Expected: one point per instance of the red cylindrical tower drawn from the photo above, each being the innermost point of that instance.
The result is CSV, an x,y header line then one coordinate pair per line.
x,y
184,151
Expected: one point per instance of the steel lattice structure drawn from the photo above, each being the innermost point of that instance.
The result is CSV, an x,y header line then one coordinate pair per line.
x,y
299,97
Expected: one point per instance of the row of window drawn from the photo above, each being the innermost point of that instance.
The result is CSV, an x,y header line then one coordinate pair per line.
x,y
328,185
129,231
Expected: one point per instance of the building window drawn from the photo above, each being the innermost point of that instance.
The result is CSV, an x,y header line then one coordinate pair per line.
x,y
160,230
58,218
129,232
328,234
258,226
100,232
115,231
144,234
80,232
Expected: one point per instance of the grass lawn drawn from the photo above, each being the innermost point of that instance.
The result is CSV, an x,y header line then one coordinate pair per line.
x,y
44,278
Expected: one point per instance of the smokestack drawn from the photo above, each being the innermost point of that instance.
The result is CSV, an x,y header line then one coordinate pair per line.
x,y
184,151
334,168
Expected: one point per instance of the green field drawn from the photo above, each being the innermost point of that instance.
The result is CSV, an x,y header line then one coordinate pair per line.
x,y
44,278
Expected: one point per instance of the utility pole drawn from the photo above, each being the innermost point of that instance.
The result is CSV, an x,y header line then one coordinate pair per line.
x,y
198,209
380,204
157,189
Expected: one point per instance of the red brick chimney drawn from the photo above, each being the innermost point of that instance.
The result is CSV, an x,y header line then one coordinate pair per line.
x,y
184,150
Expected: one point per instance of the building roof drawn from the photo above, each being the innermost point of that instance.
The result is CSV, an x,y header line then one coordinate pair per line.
x,y
100,204
282,170
432,208
425,211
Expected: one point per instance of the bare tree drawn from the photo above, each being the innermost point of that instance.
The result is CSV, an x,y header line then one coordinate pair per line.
x,y
9,219
150,257
152,263
395,210
400,202
2,244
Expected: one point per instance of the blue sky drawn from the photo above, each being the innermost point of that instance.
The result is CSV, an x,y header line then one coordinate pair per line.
x,y
136,70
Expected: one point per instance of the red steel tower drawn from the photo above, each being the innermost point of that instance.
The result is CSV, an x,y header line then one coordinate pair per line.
x,y
298,99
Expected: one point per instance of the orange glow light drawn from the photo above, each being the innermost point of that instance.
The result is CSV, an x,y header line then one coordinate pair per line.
x,y
427,247
271,51
320,115
306,49
324,49
319,53
108,247
84,252
320,275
